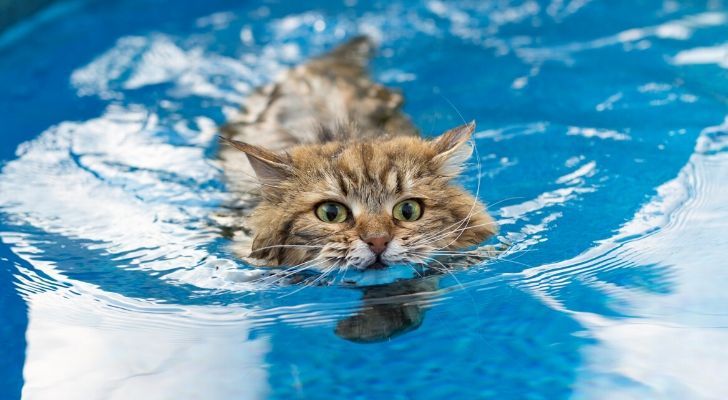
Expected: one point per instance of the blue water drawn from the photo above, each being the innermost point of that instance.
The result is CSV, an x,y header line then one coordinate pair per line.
x,y
603,145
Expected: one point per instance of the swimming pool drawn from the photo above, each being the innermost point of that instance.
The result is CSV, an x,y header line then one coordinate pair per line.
x,y
603,149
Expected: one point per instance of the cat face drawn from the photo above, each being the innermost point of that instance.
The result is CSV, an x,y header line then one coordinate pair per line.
x,y
365,204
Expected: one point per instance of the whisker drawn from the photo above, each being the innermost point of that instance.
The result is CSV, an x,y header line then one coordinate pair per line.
x,y
446,269
446,234
324,273
307,246
504,200
289,271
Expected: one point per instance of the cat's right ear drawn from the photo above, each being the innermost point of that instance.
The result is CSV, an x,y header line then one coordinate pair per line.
x,y
269,167
453,149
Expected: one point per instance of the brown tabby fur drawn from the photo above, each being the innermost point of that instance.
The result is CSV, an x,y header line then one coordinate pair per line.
x,y
326,132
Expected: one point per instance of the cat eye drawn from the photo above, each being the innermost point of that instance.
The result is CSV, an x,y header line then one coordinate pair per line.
x,y
407,210
332,212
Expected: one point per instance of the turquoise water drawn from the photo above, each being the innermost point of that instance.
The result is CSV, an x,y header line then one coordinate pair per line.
x,y
603,148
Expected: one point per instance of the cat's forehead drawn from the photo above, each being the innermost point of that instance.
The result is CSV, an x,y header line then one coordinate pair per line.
x,y
370,176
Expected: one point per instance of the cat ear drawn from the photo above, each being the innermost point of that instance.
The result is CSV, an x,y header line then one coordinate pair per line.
x,y
453,149
269,167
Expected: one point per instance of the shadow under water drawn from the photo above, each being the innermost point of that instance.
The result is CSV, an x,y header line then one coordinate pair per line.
x,y
390,304
388,310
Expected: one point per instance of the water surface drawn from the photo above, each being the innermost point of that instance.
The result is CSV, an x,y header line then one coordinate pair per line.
x,y
603,149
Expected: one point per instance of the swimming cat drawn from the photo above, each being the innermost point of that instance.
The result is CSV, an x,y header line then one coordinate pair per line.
x,y
342,180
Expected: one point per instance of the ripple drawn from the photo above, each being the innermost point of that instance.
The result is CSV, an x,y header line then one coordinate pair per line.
x,y
661,236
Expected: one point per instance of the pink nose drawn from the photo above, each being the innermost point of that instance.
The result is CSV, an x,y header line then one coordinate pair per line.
x,y
377,244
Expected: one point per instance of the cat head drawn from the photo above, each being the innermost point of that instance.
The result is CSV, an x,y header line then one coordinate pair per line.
x,y
365,204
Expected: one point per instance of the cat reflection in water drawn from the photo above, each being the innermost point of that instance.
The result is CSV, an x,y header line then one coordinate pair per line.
x,y
343,181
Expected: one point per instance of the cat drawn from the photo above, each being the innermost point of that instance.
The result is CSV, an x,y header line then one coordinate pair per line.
x,y
329,174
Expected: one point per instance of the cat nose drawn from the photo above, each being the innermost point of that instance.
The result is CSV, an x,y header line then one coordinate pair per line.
x,y
377,244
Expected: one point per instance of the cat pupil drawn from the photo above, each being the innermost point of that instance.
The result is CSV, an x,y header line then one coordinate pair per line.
x,y
331,212
407,210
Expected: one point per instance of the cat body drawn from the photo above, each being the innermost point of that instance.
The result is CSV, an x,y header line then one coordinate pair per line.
x,y
328,173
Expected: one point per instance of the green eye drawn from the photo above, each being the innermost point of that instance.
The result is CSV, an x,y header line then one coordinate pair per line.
x,y
332,212
407,210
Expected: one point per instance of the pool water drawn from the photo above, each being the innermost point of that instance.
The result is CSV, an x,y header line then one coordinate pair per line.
x,y
602,145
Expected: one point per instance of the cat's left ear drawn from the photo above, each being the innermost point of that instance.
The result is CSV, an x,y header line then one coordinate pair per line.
x,y
453,149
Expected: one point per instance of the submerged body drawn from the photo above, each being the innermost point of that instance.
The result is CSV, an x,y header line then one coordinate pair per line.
x,y
328,173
